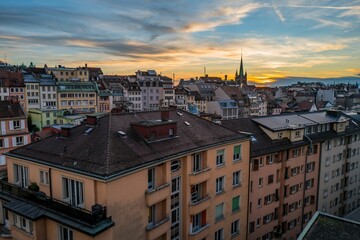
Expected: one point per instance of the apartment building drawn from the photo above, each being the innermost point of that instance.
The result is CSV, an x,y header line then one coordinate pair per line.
x,y
227,109
149,175
283,175
152,89
339,177
12,87
48,96
168,92
135,96
13,129
66,74
32,92
77,97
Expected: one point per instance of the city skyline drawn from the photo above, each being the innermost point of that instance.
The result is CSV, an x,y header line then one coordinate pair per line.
x,y
279,40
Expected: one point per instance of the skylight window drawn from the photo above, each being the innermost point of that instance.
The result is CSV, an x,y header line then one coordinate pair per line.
x,y
187,123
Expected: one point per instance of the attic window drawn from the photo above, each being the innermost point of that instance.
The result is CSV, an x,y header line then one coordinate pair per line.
x,y
88,131
122,134
187,123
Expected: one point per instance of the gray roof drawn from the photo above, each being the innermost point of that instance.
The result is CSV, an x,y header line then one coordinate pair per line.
x,y
104,154
330,227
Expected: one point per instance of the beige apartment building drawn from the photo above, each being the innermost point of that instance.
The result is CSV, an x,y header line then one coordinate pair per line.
x,y
283,176
77,97
66,74
150,175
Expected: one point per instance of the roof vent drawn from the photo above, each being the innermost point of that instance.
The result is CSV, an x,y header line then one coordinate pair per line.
x,y
187,123
179,113
121,134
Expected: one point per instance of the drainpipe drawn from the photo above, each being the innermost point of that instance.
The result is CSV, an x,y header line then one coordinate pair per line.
x,y
50,183
304,183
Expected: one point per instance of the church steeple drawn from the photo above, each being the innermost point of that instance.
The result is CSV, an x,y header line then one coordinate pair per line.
x,y
241,67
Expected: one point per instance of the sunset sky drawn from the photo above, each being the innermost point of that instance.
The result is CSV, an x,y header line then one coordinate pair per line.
x,y
278,39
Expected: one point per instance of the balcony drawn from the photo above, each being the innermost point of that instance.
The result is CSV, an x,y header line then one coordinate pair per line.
x,y
50,206
199,177
158,194
158,229
199,233
199,205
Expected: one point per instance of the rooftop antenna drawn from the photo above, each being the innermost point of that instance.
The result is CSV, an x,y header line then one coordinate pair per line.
x,y
204,71
5,57
173,76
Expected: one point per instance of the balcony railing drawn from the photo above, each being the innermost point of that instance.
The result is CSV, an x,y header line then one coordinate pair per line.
x,y
97,215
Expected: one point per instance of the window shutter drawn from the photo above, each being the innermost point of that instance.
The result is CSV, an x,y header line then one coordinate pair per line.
x,y
3,128
11,125
237,150
14,141
22,122
6,142
25,139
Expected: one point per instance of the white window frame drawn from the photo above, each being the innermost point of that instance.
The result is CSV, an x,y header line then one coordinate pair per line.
x,y
65,233
235,227
236,178
21,175
219,187
73,191
23,224
220,157
44,177
151,179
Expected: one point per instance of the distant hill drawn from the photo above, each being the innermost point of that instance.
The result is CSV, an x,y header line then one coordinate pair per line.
x,y
292,80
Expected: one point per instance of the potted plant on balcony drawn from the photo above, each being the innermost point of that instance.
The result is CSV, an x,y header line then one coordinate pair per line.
x,y
34,187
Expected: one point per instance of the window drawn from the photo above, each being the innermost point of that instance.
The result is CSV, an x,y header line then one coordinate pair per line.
x,y
259,202
309,183
235,206
1,143
16,124
220,157
269,159
198,221
297,134
235,227
267,218
220,184
260,182
197,162
151,178
236,178
21,175
151,215
328,145
66,233
44,177
294,189
219,234
73,192
258,221
237,153
268,199
23,224
292,224
270,179
175,165
219,211
171,132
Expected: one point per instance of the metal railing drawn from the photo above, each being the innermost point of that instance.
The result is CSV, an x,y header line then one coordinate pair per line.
x,y
97,215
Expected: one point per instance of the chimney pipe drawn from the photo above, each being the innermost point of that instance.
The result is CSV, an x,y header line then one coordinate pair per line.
x,y
225,77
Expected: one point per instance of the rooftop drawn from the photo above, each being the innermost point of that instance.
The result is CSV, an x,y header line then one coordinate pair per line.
x,y
329,227
10,109
104,154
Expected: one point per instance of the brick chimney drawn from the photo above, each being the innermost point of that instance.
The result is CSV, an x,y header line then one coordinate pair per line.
x,y
91,120
165,115
65,132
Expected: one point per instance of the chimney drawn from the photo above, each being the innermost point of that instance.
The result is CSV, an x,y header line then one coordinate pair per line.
x,y
86,65
225,77
165,115
65,132
206,75
91,120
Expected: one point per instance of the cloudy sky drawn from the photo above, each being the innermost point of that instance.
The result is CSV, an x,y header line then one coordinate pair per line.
x,y
278,39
